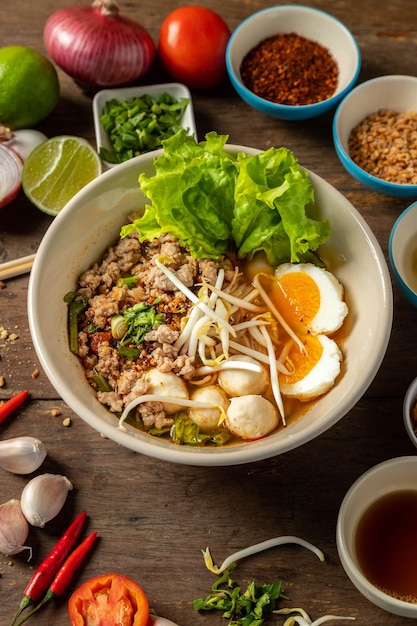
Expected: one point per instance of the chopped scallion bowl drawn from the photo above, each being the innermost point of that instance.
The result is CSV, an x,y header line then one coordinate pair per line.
x,y
140,124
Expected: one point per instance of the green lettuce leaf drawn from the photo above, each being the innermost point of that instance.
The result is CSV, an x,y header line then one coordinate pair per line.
x,y
192,194
214,202
272,194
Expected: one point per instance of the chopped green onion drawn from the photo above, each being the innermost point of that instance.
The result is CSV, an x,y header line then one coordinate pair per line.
x,y
130,281
140,124
101,383
77,302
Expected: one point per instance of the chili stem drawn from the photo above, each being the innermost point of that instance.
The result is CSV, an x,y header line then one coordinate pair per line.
x,y
12,404
44,574
64,575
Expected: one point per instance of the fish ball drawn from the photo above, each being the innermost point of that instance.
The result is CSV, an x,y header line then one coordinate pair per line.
x,y
167,384
238,382
251,417
208,419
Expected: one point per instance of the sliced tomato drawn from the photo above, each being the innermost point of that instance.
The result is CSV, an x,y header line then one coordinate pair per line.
x,y
108,600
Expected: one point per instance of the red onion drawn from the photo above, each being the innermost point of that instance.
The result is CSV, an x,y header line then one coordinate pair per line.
x,y
97,46
11,166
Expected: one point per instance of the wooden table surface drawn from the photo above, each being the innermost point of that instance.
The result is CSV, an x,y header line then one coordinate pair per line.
x,y
154,518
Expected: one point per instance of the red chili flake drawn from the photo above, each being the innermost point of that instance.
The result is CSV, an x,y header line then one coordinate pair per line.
x,y
290,69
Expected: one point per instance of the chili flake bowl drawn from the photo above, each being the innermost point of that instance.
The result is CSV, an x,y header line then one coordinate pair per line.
x,y
310,23
122,94
397,93
402,250
91,222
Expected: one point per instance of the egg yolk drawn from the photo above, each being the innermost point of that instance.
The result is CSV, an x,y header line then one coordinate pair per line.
x,y
302,362
297,298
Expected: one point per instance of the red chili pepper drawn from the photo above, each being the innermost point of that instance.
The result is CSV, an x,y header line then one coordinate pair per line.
x,y
12,404
44,574
65,574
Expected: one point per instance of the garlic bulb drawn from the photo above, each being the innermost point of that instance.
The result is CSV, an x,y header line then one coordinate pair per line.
x,y
14,528
43,497
22,455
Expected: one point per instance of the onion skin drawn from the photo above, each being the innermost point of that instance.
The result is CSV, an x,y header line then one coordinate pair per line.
x,y
97,46
11,166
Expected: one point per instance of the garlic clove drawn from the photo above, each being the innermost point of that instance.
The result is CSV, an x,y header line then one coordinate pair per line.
x,y
22,455
43,497
14,528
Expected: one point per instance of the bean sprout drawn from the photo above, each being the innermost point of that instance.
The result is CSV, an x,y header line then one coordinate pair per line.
x,y
258,547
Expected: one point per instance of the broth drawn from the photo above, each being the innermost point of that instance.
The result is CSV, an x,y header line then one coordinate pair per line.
x,y
386,545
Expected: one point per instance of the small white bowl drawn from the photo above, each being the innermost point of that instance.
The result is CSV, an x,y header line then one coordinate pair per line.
x,y
176,90
398,474
402,249
393,92
307,22
410,401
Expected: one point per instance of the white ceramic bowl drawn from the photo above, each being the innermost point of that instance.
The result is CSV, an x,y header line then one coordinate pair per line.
x,y
392,92
176,90
410,401
399,474
307,22
402,248
91,221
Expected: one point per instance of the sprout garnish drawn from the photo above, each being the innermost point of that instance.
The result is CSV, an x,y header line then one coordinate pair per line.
x,y
305,620
258,547
157,397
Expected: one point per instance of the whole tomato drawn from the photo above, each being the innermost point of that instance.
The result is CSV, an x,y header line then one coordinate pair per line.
x,y
192,45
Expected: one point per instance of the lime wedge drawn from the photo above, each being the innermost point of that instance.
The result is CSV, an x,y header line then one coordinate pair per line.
x,y
57,169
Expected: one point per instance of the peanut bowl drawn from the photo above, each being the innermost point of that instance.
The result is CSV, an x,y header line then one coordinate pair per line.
x,y
373,133
92,221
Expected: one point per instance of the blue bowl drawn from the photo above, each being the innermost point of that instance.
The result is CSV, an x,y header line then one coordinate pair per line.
x,y
392,92
402,250
307,22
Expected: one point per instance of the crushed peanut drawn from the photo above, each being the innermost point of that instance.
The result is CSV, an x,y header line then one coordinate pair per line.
x,y
66,422
55,412
2,381
384,145
35,373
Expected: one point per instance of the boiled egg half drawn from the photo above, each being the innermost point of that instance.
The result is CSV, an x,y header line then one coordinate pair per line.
x,y
311,297
311,301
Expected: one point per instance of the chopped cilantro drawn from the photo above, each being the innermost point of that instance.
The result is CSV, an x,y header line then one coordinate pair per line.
x,y
140,319
245,608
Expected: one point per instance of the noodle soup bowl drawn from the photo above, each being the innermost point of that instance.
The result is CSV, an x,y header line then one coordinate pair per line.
x,y
307,22
91,222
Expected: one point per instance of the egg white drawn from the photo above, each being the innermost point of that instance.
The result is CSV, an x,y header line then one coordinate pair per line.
x,y
322,375
333,309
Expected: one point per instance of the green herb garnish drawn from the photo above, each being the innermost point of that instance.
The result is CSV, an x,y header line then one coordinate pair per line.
x,y
185,431
140,124
140,319
241,608
77,303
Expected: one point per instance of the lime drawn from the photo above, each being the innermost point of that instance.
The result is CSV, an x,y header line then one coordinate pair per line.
x,y
29,87
57,169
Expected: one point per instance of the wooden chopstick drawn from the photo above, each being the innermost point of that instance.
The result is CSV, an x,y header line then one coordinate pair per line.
x,y
16,267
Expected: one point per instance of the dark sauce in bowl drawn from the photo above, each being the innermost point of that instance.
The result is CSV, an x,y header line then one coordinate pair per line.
x,y
386,545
